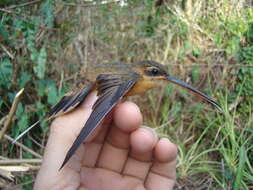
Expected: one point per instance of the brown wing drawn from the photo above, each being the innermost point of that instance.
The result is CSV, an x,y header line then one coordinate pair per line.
x,y
111,89
65,105
69,102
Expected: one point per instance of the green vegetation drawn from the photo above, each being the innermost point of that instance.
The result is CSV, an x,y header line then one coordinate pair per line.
x,y
207,43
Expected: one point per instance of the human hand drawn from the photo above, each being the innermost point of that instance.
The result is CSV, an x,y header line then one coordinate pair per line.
x,y
121,154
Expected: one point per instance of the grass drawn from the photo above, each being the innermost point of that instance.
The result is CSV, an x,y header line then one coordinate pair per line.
x,y
206,43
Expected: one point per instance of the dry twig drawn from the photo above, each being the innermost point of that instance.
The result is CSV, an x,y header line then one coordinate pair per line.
x,y
7,51
20,161
23,147
90,4
18,168
5,174
12,112
23,4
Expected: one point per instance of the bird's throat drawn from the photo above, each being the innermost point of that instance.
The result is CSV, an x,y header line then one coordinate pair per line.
x,y
142,86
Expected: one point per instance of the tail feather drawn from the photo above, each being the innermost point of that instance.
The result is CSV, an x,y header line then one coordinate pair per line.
x,y
25,131
65,105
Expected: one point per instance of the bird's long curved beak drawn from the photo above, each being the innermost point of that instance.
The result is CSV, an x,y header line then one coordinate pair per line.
x,y
194,90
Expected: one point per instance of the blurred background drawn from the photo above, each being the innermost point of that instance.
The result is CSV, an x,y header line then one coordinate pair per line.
x,y
209,44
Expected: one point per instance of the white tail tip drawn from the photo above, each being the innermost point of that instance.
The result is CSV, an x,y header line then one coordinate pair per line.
x,y
25,131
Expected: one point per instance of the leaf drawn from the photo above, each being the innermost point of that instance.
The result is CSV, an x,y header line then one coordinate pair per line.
x,y
11,96
30,41
40,67
24,79
40,88
27,178
5,73
40,106
52,96
47,10
195,73
43,86
240,169
22,120
19,110
42,56
3,32
196,52
28,143
22,123
1,103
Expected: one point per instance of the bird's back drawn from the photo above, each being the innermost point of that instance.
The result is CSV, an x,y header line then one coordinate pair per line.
x,y
120,68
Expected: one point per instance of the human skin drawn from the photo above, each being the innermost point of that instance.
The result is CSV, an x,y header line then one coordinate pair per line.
x,y
121,154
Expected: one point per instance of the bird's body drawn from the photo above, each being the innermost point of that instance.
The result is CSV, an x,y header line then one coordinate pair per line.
x,y
126,71
113,81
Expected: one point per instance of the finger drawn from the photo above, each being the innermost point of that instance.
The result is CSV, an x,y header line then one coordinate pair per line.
x,y
162,174
143,140
127,118
139,162
130,123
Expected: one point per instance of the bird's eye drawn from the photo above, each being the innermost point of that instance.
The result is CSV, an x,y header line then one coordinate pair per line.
x,y
153,72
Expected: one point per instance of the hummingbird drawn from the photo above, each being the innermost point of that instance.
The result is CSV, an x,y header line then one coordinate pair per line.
x,y
113,81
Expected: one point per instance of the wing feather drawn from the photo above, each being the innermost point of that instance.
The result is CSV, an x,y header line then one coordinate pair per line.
x,y
108,98
65,105
69,102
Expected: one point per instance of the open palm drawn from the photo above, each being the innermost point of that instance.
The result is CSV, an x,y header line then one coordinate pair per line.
x,y
120,155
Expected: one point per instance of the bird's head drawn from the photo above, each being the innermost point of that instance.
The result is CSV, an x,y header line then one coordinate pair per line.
x,y
156,72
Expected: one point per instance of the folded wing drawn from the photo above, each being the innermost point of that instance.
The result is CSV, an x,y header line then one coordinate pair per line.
x,y
65,105
111,88
69,102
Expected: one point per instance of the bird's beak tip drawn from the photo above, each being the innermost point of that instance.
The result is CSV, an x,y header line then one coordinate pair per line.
x,y
195,90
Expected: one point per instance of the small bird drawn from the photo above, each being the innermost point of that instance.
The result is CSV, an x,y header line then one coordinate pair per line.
x,y
113,81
